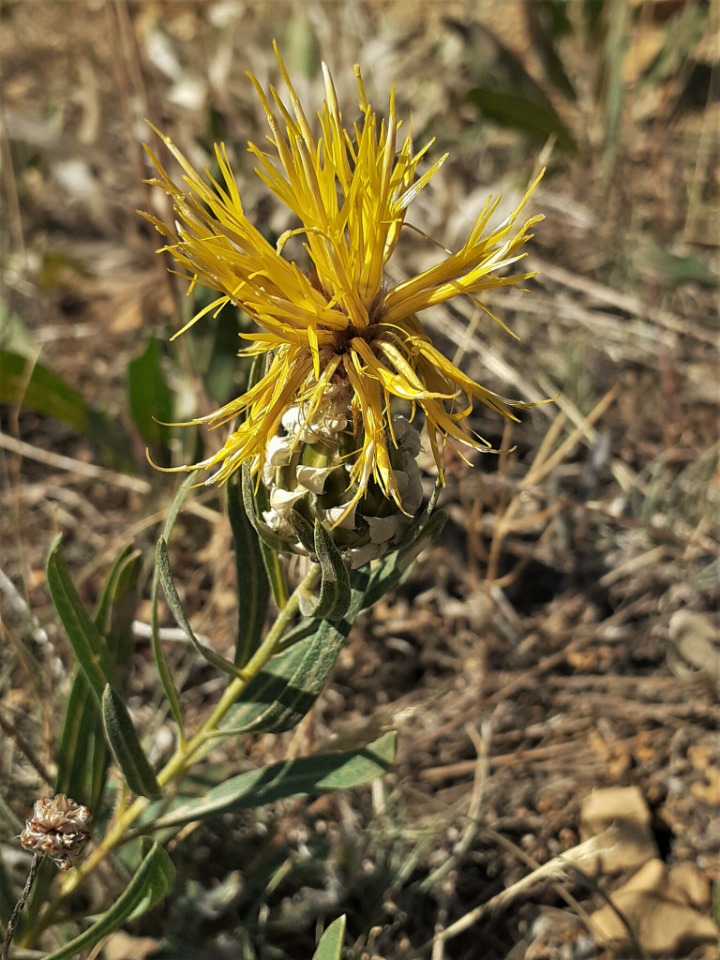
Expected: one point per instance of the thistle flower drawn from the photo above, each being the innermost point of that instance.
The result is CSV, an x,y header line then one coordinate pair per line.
x,y
57,830
333,328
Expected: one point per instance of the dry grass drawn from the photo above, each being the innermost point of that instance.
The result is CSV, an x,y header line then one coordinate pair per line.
x,y
543,616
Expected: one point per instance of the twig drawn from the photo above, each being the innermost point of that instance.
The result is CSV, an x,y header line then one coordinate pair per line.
x,y
20,906
481,743
60,462
537,754
556,869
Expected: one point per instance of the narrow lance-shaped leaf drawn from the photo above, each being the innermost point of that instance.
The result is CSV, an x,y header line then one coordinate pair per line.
x,y
308,775
253,586
83,753
25,381
125,746
332,941
270,546
325,603
96,663
334,598
163,568
333,571
116,626
538,120
151,883
163,667
287,687
111,591
150,398
88,644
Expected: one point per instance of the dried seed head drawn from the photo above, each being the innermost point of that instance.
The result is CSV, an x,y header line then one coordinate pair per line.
x,y
57,830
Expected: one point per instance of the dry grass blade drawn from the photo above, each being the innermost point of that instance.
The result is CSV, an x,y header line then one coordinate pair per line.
x,y
59,462
581,856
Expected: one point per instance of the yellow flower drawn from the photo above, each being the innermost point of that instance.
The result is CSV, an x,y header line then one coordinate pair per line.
x,y
335,322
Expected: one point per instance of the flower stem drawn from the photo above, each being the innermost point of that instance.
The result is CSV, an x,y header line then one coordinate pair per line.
x,y
20,906
193,749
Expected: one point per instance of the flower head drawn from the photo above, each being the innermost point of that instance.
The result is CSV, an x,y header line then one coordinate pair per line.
x,y
57,829
332,325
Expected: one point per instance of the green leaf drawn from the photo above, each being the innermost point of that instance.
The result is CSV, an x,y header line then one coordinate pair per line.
x,y
88,645
287,687
162,562
682,32
83,754
103,612
303,530
176,506
117,609
253,586
14,334
163,667
125,745
33,385
270,544
334,575
616,42
26,382
164,672
548,22
150,399
150,884
276,574
332,604
537,120
331,942
292,778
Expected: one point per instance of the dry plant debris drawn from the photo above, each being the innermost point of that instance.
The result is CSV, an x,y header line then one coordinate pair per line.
x,y
570,611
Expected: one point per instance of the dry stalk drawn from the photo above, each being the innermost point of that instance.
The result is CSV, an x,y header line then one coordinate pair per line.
x,y
584,854
20,906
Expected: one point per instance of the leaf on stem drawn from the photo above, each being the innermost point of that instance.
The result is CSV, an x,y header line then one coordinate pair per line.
x,y
150,884
334,599
88,644
150,398
163,667
287,687
163,569
292,778
123,741
83,753
253,585
270,546
331,943
96,662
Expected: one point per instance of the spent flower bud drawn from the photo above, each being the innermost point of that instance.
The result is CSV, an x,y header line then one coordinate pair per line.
x,y
57,830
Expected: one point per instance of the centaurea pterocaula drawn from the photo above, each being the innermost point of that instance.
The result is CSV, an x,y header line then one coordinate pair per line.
x,y
339,343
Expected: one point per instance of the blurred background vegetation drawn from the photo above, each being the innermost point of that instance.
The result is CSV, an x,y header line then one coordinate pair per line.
x,y
547,617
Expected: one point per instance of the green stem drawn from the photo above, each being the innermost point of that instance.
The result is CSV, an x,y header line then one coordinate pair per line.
x,y
187,752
